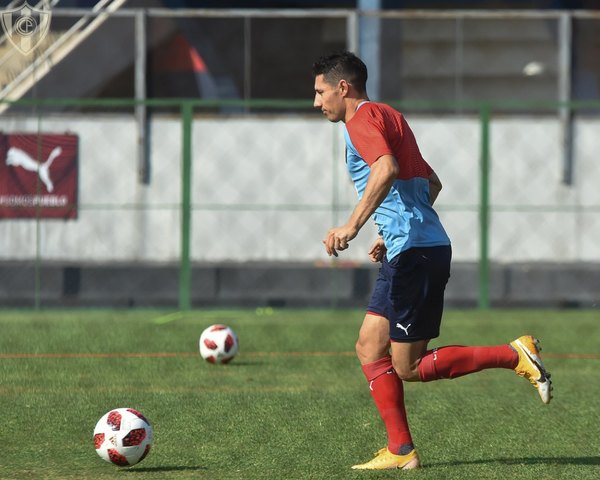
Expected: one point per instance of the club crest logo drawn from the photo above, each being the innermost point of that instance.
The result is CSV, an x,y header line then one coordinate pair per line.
x,y
26,26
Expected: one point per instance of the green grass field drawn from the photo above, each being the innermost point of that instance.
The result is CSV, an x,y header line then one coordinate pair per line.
x,y
293,404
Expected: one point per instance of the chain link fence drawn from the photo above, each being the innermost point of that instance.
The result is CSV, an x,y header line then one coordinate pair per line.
x,y
224,199
264,189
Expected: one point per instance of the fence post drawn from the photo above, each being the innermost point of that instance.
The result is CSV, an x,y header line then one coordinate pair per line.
x,y
565,112
484,209
186,206
141,111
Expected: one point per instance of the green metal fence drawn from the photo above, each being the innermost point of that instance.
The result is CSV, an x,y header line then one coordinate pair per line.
x,y
252,129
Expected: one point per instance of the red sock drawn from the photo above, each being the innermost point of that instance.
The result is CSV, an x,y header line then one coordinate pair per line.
x,y
456,361
388,393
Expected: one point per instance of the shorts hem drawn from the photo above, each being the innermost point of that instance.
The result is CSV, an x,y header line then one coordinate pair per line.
x,y
413,339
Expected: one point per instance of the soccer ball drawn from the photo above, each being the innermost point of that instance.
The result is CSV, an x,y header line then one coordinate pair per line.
x,y
218,344
123,436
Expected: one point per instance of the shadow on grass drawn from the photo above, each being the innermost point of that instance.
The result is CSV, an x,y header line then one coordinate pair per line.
x,y
242,363
165,468
522,461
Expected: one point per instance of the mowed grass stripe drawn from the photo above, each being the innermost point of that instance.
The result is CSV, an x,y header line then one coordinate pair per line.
x,y
14,356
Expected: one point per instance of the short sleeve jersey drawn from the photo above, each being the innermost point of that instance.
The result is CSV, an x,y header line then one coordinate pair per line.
x,y
405,218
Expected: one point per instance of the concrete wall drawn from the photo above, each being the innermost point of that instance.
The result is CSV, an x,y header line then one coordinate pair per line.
x,y
282,285
265,191
268,188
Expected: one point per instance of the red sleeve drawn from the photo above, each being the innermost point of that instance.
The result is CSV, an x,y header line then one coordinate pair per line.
x,y
378,130
369,134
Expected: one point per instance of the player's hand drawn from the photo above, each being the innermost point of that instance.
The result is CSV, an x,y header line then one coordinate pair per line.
x,y
337,239
377,250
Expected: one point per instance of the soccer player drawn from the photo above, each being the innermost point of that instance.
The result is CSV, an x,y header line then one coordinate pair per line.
x,y
397,188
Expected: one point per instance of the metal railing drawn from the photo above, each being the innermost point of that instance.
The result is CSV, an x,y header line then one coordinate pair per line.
x,y
489,187
393,32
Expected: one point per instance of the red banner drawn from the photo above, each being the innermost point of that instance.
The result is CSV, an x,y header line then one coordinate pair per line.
x,y
38,175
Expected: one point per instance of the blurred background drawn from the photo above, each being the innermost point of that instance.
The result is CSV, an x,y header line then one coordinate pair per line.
x,y
166,153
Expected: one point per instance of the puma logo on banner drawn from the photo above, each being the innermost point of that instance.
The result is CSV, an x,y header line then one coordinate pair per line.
x,y
18,158
38,175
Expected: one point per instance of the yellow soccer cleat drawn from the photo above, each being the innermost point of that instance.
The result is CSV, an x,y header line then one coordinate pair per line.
x,y
384,459
531,367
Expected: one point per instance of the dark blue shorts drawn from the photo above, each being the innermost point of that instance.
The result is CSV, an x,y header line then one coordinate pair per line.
x,y
409,292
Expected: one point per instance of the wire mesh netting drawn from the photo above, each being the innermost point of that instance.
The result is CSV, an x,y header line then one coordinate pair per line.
x,y
268,175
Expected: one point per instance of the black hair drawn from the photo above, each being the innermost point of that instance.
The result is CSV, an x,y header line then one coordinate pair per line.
x,y
342,66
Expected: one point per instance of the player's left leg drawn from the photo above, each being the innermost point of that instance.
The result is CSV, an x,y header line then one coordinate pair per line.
x,y
418,289
522,356
455,361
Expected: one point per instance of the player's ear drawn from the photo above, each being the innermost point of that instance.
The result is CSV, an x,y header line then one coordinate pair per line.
x,y
343,87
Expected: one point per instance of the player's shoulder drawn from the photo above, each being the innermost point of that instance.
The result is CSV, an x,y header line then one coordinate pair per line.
x,y
376,110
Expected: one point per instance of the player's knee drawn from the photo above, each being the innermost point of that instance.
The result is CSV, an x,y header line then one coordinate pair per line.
x,y
362,350
369,350
406,371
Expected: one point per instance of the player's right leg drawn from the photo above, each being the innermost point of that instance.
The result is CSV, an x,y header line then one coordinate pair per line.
x,y
387,392
385,460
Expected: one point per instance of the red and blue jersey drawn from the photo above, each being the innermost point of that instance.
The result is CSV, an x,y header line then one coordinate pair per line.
x,y
405,218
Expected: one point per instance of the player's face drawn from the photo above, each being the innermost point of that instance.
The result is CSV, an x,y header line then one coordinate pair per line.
x,y
329,100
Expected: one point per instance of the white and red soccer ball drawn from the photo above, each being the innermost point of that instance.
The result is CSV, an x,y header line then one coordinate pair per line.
x,y
218,344
123,437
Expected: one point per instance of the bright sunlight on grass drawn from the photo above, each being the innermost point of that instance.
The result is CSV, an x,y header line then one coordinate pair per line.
x,y
293,403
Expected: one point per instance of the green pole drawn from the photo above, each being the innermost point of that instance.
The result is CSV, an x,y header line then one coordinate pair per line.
x,y
186,206
484,210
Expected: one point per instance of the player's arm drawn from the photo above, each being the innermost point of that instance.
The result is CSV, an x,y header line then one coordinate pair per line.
x,y
383,173
435,186
381,178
